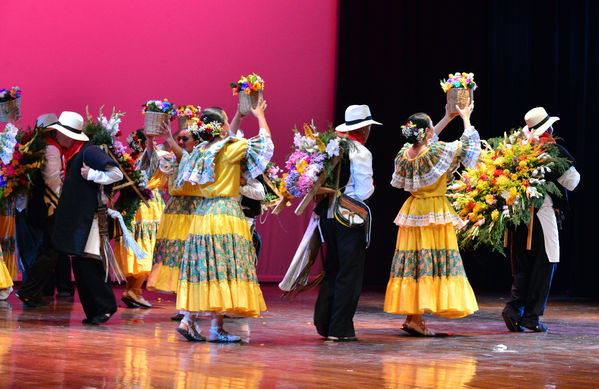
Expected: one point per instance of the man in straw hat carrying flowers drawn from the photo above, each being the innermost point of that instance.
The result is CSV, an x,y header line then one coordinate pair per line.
x,y
534,265
77,230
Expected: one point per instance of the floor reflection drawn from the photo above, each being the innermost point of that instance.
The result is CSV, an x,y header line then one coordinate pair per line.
x,y
428,372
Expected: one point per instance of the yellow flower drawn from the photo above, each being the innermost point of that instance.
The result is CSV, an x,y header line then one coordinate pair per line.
x,y
301,168
502,181
514,177
495,215
489,199
499,161
522,164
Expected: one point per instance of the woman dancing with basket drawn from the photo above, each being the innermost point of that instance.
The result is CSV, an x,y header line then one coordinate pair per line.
x,y
145,225
427,274
217,273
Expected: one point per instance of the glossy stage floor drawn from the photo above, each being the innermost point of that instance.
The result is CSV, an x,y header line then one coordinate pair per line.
x,y
138,348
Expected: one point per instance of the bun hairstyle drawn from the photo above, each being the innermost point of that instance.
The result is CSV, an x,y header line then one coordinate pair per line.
x,y
213,114
415,129
137,141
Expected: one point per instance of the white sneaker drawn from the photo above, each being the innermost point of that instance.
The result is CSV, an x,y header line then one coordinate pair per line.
x,y
219,335
4,293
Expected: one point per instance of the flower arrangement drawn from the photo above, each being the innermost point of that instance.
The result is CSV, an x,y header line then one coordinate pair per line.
x,y
272,174
188,111
17,176
248,84
312,154
459,80
10,94
410,129
499,191
159,106
105,131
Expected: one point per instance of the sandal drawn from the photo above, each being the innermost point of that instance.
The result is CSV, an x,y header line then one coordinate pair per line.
x,y
417,329
219,335
189,332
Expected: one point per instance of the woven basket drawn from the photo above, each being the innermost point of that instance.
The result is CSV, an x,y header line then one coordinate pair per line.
x,y
459,97
10,108
245,101
153,120
185,122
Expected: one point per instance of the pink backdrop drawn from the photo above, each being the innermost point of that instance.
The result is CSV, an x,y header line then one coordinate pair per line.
x,y
67,54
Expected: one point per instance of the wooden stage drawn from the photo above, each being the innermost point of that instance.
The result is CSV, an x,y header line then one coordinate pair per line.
x,y
138,348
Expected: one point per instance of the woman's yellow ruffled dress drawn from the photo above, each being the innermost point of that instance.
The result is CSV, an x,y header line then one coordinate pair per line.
x,y
145,226
173,227
427,274
8,266
217,271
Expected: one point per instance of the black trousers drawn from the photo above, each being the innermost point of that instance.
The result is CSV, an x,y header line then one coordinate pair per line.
x,y
533,275
96,295
342,284
60,280
41,268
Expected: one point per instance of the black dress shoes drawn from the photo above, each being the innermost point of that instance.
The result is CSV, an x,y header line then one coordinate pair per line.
x,y
511,323
32,302
535,326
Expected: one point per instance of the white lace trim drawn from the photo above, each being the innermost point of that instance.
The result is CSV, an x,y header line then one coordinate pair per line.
x,y
404,220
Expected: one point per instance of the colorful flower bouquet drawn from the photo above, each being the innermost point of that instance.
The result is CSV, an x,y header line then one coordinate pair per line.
x,y
132,189
249,88
187,115
500,190
10,104
18,175
157,112
312,155
272,181
459,87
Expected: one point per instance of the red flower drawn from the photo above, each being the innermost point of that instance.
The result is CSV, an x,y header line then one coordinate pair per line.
x,y
498,172
471,205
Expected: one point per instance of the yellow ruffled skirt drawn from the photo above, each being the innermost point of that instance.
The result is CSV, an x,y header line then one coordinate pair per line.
x,y
5,278
7,241
170,243
427,273
145,227
218,272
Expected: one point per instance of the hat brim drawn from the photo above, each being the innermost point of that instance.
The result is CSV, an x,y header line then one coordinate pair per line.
x,y
541,130
67,132
345,128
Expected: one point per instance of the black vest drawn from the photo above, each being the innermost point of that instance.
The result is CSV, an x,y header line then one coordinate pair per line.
x,y
78,201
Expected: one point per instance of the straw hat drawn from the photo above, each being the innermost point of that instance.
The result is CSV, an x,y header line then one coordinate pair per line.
x,y
538,121
71,125
45,120
356,116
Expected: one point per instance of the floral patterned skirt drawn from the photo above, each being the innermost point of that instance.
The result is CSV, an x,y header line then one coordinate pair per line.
x,y
217,271
170,242
145,226
427,274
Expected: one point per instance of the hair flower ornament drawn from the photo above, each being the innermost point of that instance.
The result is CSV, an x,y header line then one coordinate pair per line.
x,y
206,131
409,129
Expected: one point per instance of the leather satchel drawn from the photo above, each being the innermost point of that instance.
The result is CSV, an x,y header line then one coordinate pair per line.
x,y
350,212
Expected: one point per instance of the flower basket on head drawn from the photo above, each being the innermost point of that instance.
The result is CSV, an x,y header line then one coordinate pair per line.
x,y
10,104
156,112
188,115
249,90
459,87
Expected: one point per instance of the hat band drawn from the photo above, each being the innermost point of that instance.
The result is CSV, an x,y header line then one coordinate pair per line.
x,y
539,124
352,122
67,127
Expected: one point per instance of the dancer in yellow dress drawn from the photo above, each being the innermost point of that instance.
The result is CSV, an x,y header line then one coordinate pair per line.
x,y
178,213
145,225
218,273
427,274
5,279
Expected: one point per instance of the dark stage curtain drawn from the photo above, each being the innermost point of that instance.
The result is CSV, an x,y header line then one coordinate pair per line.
x,y
524,54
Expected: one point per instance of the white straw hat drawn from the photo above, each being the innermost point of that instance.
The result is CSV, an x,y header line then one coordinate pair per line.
x,y
71,125
45,120
356,116
538,121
